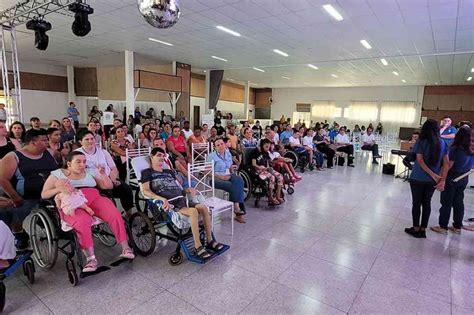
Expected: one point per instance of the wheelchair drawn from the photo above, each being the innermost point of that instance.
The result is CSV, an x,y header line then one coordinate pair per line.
x,y
50,236
299,160
152,222
22,259
253,184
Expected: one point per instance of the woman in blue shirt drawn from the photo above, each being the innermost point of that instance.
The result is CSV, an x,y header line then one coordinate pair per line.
x,y
461,160
226,179
431,153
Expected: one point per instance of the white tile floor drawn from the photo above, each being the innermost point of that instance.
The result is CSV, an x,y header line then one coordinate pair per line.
x,y
337,246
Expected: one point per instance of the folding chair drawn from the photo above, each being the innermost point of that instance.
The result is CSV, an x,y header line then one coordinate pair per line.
x,y
200,151
201,178
130,154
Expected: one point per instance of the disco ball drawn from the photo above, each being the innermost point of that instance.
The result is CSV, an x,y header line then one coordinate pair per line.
x,y
160,13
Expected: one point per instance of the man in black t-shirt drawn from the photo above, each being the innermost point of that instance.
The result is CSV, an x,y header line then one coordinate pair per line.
x,y
165,184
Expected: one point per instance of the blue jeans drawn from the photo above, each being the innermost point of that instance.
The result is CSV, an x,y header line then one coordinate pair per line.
x,y
16,215
234,186
319,158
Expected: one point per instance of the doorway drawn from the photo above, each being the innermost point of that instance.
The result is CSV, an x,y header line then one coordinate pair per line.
x,y
196,116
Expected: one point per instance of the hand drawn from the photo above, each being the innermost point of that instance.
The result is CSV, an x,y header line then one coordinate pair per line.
x,y
116,182
166,205
6,202
89,211
233,168
436,178
101,170
192,191
64,186
441,184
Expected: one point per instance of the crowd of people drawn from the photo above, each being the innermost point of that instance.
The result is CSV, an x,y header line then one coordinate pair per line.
x,y
71,164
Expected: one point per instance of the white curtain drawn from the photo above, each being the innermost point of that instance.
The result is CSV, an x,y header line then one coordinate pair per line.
x,y
324,110
362,113
394,115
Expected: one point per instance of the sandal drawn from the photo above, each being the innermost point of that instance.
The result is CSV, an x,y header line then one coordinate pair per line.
x,y
215,246
239,217
273,203
455,230
91,264
127,253
202,252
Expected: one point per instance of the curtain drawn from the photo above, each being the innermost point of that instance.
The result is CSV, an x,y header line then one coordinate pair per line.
x,y
324,110
394,115
362,113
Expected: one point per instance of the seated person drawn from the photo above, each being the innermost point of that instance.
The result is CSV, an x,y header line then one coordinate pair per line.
x,y
161,184
118,148
212,136
148,141
226,178
187,132
61,150
286,134
166,131
68,133
75,175
233,138
176,145
280,162
262,162
7,240
236,156
197,138
322,144
248,141
298,147
368,144
414,136
22,175
97,157
92,127
344,145
308,143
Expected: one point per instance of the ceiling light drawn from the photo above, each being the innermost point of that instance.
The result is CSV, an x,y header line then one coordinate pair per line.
x,y
229,79
365,44
225,29
469,79
395,73
258,69
282,53
219,58
472,70
334,76
333,12
160,41
312,66
204,71
436,83
81,25
307,83
286,78
254,84
404,81
384,62
40,27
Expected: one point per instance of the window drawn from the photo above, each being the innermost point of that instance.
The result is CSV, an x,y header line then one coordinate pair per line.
x,y
365,112
398,112
302,117
324,110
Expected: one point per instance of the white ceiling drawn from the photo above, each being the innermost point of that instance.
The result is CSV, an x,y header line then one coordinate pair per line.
x,y
426,41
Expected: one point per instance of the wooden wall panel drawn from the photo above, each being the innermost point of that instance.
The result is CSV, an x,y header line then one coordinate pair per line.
x,y
198,85
262,97
252,96
457,116
85,82
184,71
449,98
40,82
232,92
157,81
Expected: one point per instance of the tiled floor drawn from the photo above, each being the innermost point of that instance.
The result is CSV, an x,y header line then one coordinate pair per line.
x,y
337,246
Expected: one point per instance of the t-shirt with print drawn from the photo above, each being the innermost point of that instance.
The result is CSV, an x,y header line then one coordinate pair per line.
x,y
164,184
262,158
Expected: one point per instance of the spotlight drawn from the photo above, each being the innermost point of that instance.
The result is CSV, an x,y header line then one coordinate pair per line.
x,y
40,27
81,25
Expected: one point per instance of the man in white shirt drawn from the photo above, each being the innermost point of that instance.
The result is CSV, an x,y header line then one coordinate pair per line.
x,y
344,145
368,144
186,130
298,147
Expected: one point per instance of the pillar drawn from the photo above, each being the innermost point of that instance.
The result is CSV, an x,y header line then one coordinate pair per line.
x,y
208,88
129,83
246,99
71,94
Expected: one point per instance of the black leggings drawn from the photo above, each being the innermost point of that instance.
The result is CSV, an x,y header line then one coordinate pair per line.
x,y
125,194
421,193
349,149
325,149
121,167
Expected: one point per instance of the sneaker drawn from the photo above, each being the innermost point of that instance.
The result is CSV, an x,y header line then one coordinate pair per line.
x,y
455,230
378,156
375,162
414,233
439,230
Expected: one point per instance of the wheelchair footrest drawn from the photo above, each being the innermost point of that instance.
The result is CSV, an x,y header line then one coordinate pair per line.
x,y
16,263
120,261
190,252
99,269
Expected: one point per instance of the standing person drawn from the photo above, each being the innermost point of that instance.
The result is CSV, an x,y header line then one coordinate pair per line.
x,y
368,144
137,114
73,113
108,120
3,112
7,144
461,160
431,153
447,131
17,132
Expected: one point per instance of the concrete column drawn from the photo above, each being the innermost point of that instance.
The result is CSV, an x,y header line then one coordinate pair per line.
x,y
71,94
208,88
129,84
246,99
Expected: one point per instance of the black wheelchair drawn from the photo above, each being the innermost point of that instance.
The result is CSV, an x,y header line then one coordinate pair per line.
x,y
152,222
50,236
22,259
300,160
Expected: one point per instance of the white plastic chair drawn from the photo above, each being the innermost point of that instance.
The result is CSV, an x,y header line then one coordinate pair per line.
x,y
130,154
200,152
201,178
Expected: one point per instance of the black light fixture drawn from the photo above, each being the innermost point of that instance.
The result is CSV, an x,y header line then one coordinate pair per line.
x,y
81,25
40,27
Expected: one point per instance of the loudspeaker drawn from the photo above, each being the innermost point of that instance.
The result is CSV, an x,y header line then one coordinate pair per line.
x,y
388,169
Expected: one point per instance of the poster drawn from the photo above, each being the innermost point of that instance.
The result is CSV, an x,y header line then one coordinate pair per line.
x,y
108,119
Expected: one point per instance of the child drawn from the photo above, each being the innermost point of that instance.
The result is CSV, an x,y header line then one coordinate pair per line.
x,y
68,202
7,246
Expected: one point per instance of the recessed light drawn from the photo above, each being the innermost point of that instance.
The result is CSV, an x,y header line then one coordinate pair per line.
x,y
229,79
334,76
472,70
258,69
312,66
365,44
286,78
219,58
469,79
225,29
254,84
395,73
404,81
333,12
436,83
384,62
160,41
307,83
204,71
282,53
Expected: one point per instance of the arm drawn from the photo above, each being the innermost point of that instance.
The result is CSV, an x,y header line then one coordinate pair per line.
x,y
115,148
421,162
170,147
49,188
16,143
103,181
150,194
8,167
450,136
447,165
257,167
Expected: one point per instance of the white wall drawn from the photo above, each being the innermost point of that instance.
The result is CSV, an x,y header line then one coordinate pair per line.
x,y
43,104
285,99
237,109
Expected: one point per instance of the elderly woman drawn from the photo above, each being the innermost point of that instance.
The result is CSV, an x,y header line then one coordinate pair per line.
x,y
226,179
76,176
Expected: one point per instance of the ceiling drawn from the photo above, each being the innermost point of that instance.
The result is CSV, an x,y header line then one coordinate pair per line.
x,y
425,41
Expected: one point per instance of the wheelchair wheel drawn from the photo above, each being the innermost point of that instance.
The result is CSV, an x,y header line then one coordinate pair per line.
x,y
142,234
3,293
290,190
71,272
175,259
247,185
29,271
44,240
293,156
105,235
